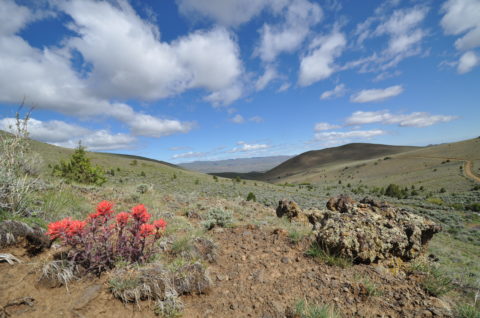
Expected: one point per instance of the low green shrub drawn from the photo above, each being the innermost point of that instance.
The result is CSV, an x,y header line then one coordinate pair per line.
x,y
251,197
395,191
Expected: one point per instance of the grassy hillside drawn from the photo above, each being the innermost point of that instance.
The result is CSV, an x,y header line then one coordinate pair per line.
x,y
433,167
304,162
452,166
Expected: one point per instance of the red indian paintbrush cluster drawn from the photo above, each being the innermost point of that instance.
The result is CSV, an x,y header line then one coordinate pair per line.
x,y
103,239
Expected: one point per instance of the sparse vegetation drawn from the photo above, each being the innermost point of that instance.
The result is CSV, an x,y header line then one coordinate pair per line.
x,y
175,195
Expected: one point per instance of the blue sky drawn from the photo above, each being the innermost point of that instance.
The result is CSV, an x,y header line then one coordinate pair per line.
x,y
192,80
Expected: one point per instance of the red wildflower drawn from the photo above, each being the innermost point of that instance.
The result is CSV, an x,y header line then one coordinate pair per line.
x,y
122,218
59,228
160,224
147,230
105,208
140,213
75,228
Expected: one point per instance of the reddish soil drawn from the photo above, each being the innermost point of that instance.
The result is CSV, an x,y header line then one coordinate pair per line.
x,y
258,273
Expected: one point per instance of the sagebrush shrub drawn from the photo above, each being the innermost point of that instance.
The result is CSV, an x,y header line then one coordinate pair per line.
x,y
17,169
103,239
217,217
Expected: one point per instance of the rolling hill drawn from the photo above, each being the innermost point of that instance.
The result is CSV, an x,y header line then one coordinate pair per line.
x,y
453,166
331,156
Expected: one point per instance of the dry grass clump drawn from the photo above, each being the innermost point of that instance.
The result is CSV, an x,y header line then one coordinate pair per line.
x,y
58,272
155,282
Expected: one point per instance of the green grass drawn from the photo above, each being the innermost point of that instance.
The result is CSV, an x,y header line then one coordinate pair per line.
x,y
435,281
371,287
457,259
467,311
304,309
328,257
182,245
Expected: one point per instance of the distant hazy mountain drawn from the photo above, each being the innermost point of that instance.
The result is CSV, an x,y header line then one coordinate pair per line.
x,y
236,165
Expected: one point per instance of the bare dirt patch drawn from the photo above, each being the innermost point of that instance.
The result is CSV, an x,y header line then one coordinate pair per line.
x,y
260,273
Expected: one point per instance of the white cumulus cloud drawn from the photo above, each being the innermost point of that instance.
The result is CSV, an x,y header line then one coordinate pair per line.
x,y
415,119
190,154
238,119
256,119
467,62
68,135
325,126
319,63
376,95
287,36
244,147
461,18
336,137
338,91
142,67
402,27
268,76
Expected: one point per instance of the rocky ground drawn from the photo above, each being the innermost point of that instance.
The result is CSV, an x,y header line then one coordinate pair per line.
x,y
261,273
258,272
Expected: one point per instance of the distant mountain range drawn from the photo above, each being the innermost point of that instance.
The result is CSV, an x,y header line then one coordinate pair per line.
x,y
243,165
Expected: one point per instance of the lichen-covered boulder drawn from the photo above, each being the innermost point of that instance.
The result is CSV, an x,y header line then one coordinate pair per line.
x,y
290,209
12,232
369,231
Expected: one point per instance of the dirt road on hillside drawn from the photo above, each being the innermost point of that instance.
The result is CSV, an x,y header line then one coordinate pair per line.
x,y
467,166
468,169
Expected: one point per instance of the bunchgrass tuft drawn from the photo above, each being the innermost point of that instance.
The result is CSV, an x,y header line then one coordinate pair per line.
x,y
327,256
303,309
435,281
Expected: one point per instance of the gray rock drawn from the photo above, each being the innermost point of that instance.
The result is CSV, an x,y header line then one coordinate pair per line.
x,y
369,231
87,296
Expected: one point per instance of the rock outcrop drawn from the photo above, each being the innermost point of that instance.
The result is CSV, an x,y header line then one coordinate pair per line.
x,y
291,211
369,231
12,232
